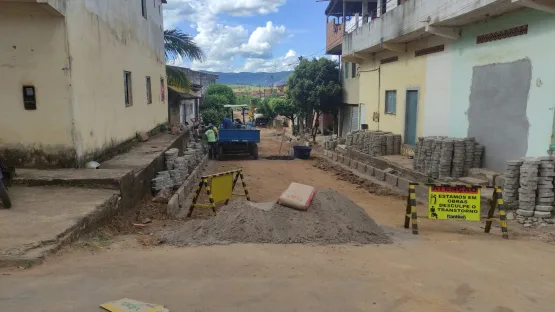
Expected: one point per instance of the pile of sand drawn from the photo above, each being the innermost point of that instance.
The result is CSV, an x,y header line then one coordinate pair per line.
x,y
331,219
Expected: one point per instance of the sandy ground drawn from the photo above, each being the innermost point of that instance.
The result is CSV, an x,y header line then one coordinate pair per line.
x,y
449,267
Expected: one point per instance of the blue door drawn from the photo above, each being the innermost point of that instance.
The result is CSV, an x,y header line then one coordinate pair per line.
x,y
411,116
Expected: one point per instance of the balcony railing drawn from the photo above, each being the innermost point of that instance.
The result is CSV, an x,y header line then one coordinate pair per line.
x,y
334,38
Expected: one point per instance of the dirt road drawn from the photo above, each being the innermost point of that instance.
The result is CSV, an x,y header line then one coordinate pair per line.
x,y
449,267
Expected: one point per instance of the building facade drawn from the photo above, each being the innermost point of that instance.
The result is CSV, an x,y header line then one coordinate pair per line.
x,y
78,78
184,105
480,68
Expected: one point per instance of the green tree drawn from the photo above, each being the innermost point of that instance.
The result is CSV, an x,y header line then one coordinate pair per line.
x,y
213,110
223,90
215,101
266,108
180,45
285,108
314,88
212,116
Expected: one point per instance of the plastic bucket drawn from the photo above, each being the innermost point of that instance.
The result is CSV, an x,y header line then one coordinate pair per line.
x,y
302,152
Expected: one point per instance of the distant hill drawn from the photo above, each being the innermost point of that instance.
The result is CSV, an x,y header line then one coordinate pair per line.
x,y
253,79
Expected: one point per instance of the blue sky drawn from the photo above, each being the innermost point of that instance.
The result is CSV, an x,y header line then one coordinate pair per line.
x,y
250,35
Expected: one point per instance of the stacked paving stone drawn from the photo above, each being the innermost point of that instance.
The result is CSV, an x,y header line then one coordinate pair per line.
x,y
469,144
545,195
182,165
389,143
330,143
479,150
416,161
436,158
397,144
512,183
374,143
383,144
528,187
446,158
458,158
170,157
162,181
349,139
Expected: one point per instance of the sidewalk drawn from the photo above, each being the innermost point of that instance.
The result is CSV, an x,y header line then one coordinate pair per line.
x,y
54,207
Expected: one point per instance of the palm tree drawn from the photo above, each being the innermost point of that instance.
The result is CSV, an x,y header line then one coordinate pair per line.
x,y
178,44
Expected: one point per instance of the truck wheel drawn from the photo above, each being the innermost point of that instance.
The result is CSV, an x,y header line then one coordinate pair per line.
x,y
220,153
4,196
254,151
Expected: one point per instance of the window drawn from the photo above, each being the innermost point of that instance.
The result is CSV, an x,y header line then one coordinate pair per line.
x,y
148,91
346,70
127,88
353,70
29,98
143,8
391,102
162,90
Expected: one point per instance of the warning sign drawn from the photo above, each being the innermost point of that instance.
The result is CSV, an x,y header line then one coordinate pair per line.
x,y
454,203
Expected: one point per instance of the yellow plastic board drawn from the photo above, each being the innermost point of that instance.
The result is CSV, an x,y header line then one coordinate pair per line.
x,y
130,305
222,187
454,203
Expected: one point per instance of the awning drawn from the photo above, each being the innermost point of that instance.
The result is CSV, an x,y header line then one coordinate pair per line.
x,y
186,94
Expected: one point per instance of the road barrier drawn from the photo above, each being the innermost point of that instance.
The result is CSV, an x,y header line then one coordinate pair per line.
x,y
456,202
219,187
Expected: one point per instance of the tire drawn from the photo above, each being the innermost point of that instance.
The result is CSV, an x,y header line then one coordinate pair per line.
x,y
254,152
219,153
4,196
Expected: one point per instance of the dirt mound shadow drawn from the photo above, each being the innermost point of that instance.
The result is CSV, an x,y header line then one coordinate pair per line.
x,y
331,219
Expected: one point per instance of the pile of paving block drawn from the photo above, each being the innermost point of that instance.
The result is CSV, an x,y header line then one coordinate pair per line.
x,y
447,158
529,187
178,167
374,143
331,142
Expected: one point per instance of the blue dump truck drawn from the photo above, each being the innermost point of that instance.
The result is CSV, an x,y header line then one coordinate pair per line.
x,y
237,142
242,140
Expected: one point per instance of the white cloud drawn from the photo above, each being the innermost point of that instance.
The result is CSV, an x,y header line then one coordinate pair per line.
x,y
224,44
245,7
282,63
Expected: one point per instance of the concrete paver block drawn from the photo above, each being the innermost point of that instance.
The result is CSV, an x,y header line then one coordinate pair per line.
x,y
422,191
334,156
403,183
361,167
370,170
379,174
391,179
354,164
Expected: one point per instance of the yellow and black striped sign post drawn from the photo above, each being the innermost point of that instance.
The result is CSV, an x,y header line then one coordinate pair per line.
x,y
219,187
411,216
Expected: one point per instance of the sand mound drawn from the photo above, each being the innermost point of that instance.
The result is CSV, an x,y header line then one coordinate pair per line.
x,y
331,219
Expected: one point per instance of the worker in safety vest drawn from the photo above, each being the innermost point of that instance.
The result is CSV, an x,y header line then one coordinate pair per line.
x,y
211,138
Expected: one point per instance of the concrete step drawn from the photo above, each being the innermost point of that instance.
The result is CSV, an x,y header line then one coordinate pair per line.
x,y
90,178
42,219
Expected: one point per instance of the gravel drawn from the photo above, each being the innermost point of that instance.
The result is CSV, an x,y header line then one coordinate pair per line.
x,y
331,219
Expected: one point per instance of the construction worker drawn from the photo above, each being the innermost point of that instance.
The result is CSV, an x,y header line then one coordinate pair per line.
x,y
211,138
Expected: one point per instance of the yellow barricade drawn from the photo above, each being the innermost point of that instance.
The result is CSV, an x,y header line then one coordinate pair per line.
x,y
456,202
219,187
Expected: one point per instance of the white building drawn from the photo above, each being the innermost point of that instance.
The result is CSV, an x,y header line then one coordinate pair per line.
x,y
78,77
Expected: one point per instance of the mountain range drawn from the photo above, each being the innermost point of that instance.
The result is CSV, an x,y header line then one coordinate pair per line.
x,y
253,79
